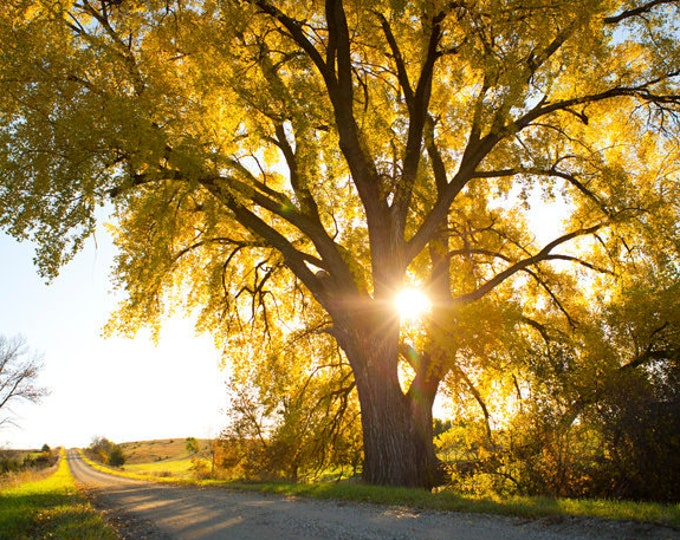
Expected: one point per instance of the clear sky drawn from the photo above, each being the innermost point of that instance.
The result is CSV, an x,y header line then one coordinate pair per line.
x,y
118,388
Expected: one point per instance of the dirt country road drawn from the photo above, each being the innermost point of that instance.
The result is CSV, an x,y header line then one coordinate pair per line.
x,y
151,511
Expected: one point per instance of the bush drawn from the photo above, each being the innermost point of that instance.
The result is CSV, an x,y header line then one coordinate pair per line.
x,y
9,464
640,426
116,456
12,461
107,452
623,445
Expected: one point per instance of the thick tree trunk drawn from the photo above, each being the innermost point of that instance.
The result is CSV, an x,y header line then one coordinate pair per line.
x,y
397,427
397,434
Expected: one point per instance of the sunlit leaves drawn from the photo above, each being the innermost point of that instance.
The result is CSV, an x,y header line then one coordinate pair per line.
x,y
276,167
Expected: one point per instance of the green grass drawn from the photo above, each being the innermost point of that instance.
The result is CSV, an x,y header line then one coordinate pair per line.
x,y
51,507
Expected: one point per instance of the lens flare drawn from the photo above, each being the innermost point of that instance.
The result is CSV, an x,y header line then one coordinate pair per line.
x,y
411,303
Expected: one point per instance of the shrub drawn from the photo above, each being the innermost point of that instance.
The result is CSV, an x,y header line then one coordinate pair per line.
x,y
116,456
105,451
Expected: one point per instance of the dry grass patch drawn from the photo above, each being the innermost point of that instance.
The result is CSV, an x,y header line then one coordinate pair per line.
x,y
158,450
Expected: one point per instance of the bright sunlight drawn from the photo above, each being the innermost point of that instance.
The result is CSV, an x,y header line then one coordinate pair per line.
x,y
411,303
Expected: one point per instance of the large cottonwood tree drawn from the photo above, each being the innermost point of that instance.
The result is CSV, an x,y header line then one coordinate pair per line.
x,y
324,154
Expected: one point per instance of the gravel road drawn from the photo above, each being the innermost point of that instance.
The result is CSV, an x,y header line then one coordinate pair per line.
x,y
142,510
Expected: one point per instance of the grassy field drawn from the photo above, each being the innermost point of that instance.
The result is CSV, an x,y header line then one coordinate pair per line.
x,y
165,458
158,450
175,465
168,468
49,507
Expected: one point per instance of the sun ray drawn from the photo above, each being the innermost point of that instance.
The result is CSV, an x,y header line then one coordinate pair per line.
x,y
411,303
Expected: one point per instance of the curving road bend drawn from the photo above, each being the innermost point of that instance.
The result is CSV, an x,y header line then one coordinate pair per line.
x,y
160,511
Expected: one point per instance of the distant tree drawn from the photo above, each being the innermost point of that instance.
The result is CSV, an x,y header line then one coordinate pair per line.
x,y
116,456
99,448
105,451
18,376
192,445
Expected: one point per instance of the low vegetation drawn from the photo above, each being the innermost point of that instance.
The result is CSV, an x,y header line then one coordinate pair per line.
x,y
15,461
49,506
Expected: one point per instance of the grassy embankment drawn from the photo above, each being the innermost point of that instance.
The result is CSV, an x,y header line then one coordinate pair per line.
x,y
169,461
49,507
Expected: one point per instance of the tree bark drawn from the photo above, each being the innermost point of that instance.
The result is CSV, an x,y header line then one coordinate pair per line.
x,y
397,427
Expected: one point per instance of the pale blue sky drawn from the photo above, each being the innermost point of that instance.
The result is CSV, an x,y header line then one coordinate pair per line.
x,y
119,388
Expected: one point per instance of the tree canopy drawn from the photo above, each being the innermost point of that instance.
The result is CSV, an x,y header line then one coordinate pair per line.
x,y
282,167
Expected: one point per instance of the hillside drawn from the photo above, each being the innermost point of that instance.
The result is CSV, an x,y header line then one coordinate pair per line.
x,y
159,450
